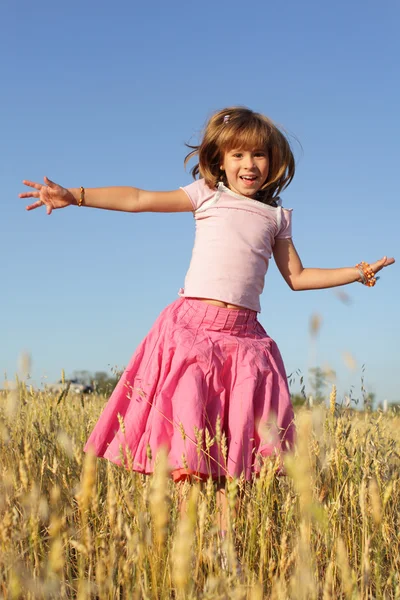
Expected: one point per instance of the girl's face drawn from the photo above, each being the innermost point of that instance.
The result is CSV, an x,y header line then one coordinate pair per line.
x,y
245,170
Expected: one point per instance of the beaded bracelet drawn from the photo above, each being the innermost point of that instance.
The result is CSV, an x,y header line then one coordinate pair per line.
x,y
366,273
82,198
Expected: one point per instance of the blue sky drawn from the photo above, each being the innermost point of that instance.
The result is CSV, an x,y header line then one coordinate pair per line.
x,y
101,93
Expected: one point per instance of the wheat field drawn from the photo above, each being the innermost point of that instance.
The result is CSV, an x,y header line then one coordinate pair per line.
x,y
73,526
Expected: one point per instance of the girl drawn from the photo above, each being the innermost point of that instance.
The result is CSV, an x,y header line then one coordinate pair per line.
x,y
207,382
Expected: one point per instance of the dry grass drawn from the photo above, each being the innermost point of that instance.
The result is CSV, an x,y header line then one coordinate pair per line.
x,y
72,526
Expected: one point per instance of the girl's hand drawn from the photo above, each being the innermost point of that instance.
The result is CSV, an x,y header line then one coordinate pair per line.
x,y
49,194
381,264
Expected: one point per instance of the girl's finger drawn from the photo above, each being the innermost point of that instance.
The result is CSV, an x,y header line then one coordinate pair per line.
x,y
388,261
49,182
29,195
38,186
380,264
35,205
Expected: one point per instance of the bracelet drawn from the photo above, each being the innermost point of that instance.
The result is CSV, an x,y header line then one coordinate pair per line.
x,y
366,273
82,197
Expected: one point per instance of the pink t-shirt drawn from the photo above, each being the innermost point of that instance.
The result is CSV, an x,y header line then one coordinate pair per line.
x,y
233,244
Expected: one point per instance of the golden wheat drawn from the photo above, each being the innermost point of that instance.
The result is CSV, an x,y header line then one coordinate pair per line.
x,y
73,526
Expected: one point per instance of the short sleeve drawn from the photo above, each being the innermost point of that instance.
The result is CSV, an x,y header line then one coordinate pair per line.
x,y
285,229
198,192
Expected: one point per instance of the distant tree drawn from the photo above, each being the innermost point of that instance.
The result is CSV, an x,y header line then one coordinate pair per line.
x,y
83,376
319,380
104,383
369,400
100,381
298,400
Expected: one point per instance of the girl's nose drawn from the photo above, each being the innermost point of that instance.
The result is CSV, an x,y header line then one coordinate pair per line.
x,y
249,161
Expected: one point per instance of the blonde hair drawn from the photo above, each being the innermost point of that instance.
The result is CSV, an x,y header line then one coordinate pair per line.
x,y
240,128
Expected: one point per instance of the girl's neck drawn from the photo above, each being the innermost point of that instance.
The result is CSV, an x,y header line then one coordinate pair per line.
x,y
260,196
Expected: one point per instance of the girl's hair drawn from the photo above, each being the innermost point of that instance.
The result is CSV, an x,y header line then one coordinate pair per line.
x,y
242,129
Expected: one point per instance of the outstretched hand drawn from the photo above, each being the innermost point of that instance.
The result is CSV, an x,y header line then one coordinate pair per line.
x,y
49,194
381,264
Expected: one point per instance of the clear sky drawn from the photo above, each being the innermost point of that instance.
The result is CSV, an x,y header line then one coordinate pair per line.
x,y
107,93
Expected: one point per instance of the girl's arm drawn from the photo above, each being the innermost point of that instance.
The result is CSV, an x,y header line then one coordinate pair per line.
x,y
127,199
299,278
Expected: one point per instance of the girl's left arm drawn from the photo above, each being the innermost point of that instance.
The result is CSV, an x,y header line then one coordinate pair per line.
x,y
299,278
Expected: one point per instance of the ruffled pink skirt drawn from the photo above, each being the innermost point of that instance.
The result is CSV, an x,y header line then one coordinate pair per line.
x,y
209,386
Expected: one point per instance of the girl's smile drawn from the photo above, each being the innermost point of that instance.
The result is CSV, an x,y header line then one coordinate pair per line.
x,y
245,170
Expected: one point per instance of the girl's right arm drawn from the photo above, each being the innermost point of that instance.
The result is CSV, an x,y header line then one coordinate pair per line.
x,y
128,199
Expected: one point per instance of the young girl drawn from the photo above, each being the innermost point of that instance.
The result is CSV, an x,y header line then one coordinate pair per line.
x,y
208,383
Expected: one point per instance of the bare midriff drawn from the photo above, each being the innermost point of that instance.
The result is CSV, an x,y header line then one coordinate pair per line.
x,y
221,304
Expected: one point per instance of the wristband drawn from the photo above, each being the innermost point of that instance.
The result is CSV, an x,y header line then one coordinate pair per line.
x,y
81,199
366,273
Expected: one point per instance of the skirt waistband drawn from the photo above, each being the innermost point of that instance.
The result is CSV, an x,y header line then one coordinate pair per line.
x,y
217,318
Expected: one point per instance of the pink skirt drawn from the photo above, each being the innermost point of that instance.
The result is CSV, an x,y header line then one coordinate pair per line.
x,y
209,386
